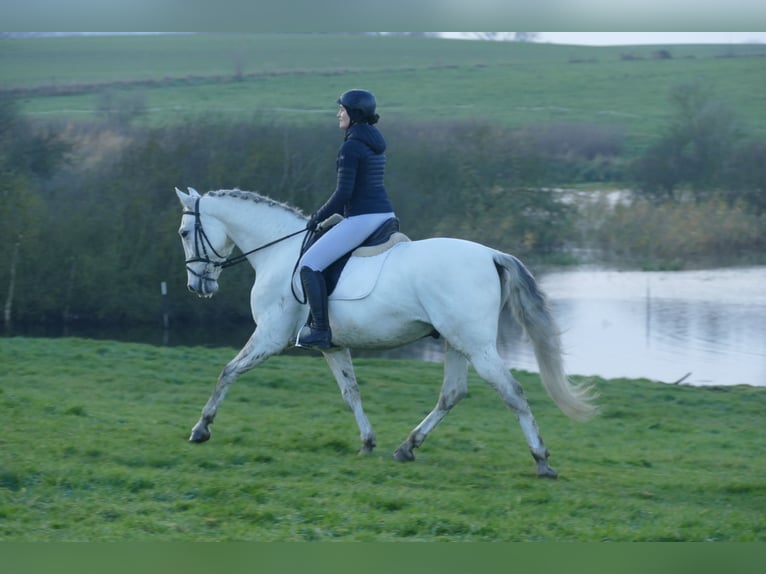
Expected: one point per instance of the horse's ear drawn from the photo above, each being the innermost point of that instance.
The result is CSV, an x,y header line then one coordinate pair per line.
x,y
186,200
192,192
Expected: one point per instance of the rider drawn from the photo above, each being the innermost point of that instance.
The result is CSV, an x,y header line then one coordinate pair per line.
x,y
359,196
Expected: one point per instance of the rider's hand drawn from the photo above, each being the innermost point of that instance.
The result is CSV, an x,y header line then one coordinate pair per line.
x,y
312,223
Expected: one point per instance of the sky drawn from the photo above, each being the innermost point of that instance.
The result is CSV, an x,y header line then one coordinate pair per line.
x,y
618,38
635,38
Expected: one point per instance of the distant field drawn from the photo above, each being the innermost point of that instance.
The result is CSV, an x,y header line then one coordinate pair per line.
x,y
297,78
94,449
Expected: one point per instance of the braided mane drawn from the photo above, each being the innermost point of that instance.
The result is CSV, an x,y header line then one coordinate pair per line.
x,y
256,197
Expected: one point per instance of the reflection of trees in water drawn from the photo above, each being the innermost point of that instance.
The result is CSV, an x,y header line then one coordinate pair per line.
x,y
711,323
707,326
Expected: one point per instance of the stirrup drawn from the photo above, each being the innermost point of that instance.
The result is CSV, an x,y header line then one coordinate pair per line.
x,y
309,338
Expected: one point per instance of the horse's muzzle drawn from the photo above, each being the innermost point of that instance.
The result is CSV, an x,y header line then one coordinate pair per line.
x,y
203,286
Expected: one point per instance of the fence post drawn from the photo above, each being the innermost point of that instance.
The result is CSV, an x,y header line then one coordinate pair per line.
x,y
165,314
8,308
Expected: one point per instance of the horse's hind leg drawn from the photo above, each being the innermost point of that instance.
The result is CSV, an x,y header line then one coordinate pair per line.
x,y
454,388
341,366
490,367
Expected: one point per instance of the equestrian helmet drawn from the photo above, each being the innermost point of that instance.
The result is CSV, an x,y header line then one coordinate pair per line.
x,y
360,105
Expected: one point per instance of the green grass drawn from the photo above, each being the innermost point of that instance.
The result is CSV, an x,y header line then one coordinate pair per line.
x,y
94,448
294,77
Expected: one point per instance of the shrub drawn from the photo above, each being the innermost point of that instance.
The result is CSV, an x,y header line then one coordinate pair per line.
x,y
675,232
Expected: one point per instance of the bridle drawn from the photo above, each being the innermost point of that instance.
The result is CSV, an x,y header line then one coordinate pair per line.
x,y
202,246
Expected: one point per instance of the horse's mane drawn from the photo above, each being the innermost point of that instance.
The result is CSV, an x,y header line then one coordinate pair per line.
x,y
256,197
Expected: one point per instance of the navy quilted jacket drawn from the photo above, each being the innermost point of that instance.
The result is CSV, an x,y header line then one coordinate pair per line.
x,y
361,165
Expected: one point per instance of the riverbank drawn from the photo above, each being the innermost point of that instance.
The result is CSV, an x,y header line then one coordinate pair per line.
x,y
696,327
98,435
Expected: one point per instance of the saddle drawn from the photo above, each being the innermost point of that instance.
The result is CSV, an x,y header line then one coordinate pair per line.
x,y
380,240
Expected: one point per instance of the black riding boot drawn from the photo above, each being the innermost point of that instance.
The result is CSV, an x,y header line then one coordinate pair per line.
x,y
318,335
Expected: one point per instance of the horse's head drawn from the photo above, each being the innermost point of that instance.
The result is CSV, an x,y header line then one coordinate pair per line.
x,y
205,242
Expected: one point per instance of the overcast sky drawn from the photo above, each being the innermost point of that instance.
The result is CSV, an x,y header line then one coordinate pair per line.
x,y
634,38
616,38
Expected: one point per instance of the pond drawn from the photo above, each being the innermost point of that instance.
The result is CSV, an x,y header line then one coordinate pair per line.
x,y
705,327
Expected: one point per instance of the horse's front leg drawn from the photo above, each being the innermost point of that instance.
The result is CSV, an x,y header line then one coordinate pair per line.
x,y
257,350
339,360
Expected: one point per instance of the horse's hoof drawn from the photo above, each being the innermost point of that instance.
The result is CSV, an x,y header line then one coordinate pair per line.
x,y
404,454
545,471
199,435
367,447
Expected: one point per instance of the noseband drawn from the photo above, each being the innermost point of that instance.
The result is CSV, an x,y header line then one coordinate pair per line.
x,y
202,244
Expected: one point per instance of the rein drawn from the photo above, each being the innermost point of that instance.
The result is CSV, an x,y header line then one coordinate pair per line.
x,y
202,241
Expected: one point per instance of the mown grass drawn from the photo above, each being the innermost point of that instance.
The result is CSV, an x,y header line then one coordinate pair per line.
x,y
94,448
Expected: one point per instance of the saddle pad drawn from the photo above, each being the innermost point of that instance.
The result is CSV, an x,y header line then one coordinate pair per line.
x,y
370,250
359,277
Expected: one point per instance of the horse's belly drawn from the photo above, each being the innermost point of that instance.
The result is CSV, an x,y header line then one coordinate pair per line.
x,y
358,329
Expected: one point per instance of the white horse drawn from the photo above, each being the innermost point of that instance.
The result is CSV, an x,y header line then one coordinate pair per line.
x,y
452,287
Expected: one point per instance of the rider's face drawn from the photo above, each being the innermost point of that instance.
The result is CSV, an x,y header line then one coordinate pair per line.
x,y
343,120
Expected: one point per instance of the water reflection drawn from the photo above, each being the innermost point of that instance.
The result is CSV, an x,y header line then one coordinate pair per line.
x,y
664,325
705,327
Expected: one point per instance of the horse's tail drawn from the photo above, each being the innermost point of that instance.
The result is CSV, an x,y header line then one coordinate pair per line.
x,y
530,308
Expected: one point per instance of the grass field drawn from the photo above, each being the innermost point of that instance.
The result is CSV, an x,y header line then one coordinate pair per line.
x,y
294,77
94,449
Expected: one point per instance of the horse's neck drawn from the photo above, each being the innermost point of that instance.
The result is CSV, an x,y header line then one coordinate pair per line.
x,y
252,224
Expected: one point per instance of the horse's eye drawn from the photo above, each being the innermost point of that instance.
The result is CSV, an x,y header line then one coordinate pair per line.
x,y
183,233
